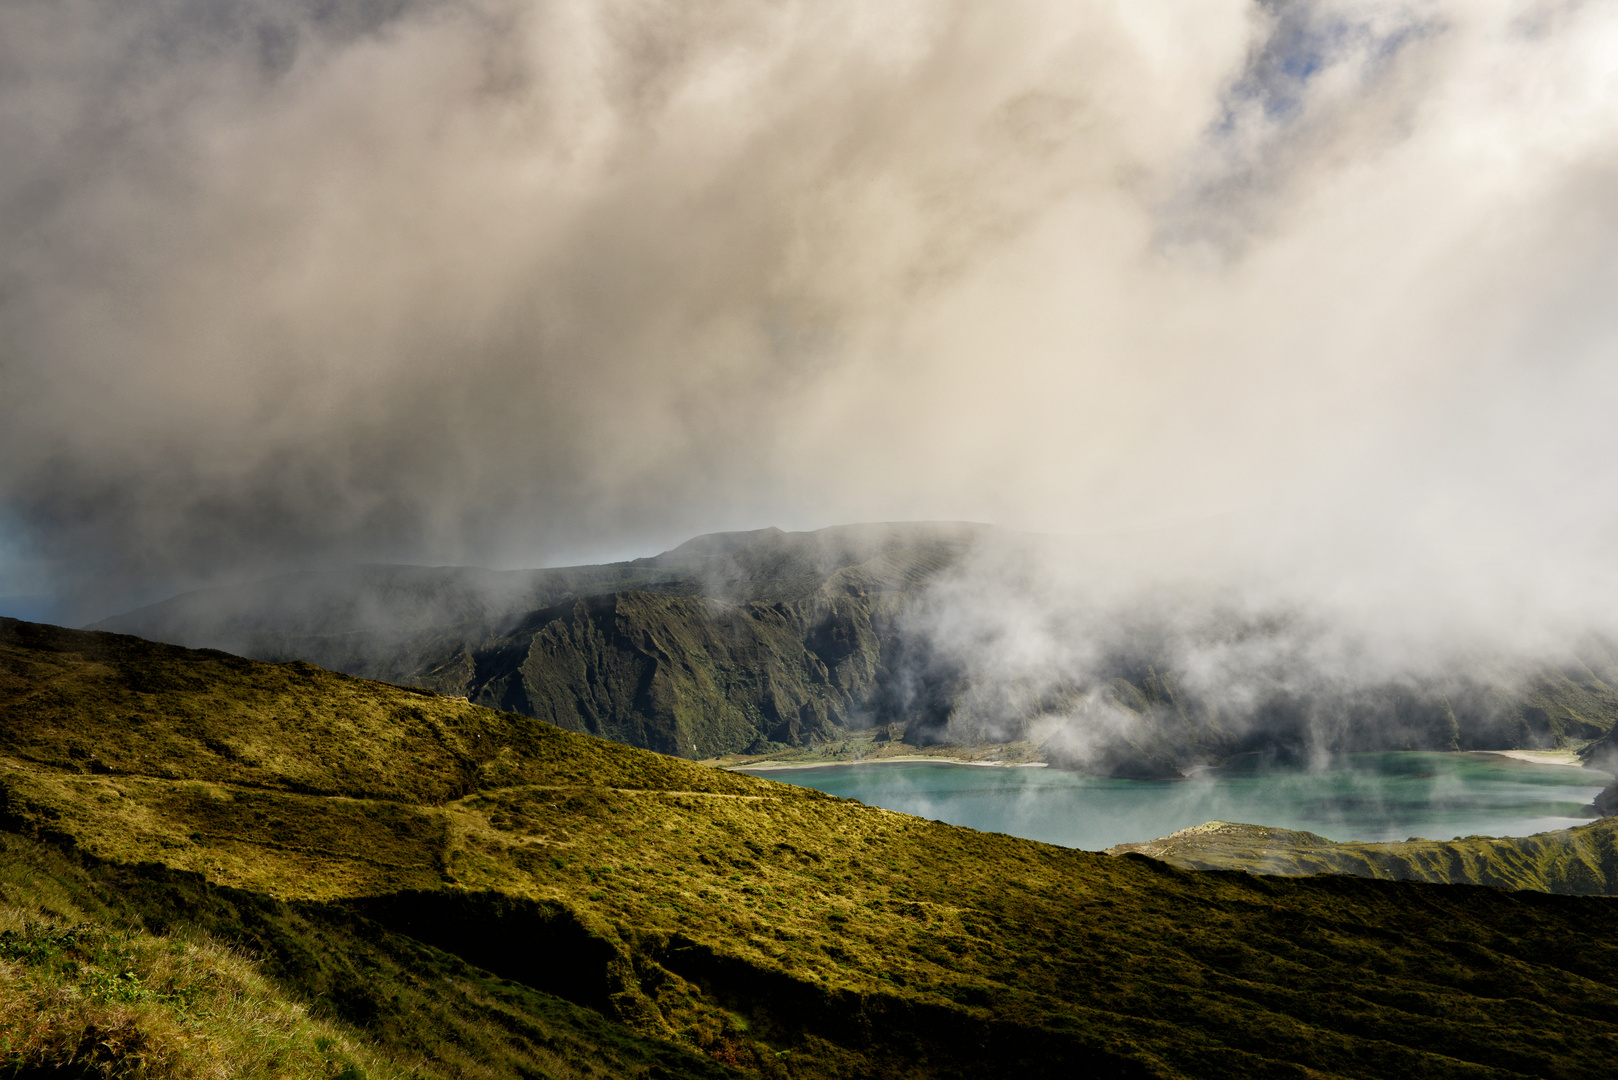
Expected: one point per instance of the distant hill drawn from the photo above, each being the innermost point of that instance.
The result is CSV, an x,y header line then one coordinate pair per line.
x,y
1579,861
761,641
208,860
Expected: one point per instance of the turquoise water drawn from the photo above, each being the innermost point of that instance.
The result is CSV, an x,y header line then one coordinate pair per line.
x,y
1357,797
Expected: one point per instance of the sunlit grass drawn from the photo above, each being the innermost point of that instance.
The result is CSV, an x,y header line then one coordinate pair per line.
x,y
81,999
490,896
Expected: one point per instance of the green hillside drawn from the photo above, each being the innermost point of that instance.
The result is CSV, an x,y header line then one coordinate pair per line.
x,y
1579,861
448,890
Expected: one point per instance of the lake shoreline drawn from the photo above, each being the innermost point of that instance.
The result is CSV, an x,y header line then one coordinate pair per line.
x,y
1561,759
772,767
1378,797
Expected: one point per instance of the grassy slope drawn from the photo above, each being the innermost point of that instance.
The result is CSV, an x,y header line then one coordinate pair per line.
x,y
84,991
369,843
141,972
1578,861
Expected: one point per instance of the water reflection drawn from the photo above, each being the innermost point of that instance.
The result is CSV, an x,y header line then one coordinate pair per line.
x,y
1389,796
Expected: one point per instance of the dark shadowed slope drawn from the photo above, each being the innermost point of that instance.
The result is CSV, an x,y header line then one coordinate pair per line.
x,y
398,854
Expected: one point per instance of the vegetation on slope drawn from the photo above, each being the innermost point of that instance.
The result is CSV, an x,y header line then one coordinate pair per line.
x,y
465,887
125,971
1579,861
677,674
87,992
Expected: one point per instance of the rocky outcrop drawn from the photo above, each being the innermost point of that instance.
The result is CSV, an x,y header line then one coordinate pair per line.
x,y
684,675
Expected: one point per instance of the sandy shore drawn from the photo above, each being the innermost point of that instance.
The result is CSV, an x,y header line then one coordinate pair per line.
x,y
1563,758
1560,758
768,766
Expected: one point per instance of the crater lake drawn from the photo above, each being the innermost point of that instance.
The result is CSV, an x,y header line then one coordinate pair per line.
x,y
1366,797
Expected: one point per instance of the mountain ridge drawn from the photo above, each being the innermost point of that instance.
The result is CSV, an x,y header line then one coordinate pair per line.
x,y
766,641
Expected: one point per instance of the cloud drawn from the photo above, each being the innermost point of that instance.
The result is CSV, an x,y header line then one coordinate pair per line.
x,y
289,284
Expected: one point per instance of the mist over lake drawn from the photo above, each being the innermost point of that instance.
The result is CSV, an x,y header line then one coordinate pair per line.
x,y
1366,797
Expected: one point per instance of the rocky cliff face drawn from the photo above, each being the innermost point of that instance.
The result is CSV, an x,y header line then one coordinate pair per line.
x,y
684,674
730,642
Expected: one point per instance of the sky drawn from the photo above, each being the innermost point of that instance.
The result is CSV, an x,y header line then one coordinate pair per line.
x,y
1300,299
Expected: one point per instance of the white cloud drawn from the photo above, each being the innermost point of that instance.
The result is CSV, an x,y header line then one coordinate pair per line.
x,y
498,281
